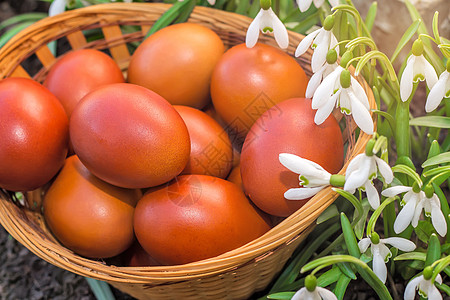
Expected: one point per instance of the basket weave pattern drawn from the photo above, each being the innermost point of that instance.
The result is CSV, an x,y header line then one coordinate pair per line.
x,y
234,275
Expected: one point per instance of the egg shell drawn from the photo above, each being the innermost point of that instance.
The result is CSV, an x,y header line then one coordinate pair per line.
x,y
34,134
87,215
129,136
288,127
196,217
211,150
177,62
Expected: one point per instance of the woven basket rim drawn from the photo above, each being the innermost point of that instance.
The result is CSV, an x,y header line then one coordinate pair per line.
x,y
289,229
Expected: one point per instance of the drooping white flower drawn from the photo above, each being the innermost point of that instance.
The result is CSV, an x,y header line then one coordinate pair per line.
x,y
417,68
360,173
312,177
440,90
381,253
267,21
414,202
318,77
321,40
317,294
351,100
425,287
303,5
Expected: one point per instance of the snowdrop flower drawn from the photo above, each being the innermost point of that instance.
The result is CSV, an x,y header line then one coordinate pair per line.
x,y
322,73
350,97
362,169
414,201
426,288
313,292
57,7
312,177
321,40
440,90
267,21
381,253
303,5
417,68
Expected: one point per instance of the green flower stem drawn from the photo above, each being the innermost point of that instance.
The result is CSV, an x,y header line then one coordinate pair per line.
x,y
389,216
402,134
439,266
376,214
366,273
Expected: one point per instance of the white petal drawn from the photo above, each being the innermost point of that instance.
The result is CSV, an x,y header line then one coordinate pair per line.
x,y
406,82
319,56
427,71
326,88
325,294
361,115
372,195
378,265
57,7
395,190
358,177
314,295
279,31
314,82
212,2
301,165
318,3
400,243
253,31
438,279
437,93
364,244
385,169
433,293
405,216
301,193
417,213
300,294
355,162
303,5
345,102
438,219
410,290
306,42
333,43
326,109
359,92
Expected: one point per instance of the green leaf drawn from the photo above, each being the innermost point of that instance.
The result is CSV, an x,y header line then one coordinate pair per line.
x,y
349,237
101,289
404,169
347,270
443,287
26,17
306,24
442,158
361,223
329,277
13,31
433,251
409,33
371,14
329,213
431,121
411,256
424,230
435,26
281,296
387,116
341,286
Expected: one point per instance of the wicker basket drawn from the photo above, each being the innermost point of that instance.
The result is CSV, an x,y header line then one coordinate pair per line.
x,y
234,275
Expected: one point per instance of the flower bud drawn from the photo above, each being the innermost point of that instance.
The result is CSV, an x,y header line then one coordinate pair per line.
x,y
369,147
345,79
265,4
328,23
346,57
427,273
375,238
331,56
310,283
417,48
429,190
416,188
